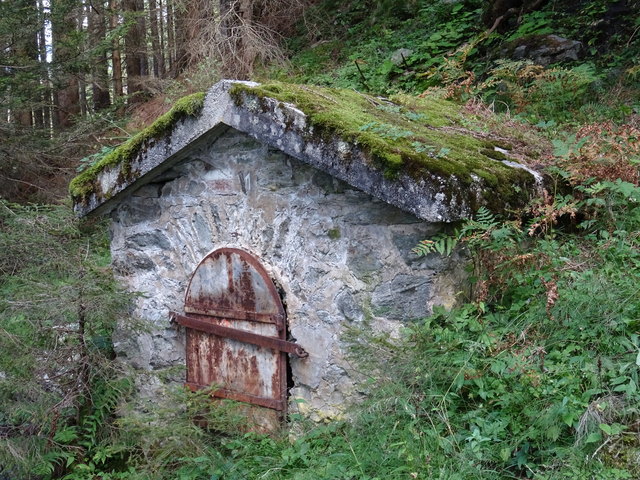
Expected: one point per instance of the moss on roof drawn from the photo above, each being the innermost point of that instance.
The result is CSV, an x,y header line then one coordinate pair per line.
x,y
427,138
414,135
185,107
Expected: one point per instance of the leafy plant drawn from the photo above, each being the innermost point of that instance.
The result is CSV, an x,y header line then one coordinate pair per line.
x,y
554,93
58,305
535,23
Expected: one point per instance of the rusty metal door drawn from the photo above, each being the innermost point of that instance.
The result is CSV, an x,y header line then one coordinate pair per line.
x,y
236,335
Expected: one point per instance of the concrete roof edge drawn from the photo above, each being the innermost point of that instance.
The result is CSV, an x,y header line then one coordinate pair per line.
x,y
285,127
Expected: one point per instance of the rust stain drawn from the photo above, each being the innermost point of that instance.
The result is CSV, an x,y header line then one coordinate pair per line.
x,y
236,333
230,282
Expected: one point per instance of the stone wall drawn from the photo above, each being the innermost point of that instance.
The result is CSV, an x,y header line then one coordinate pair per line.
x,y
339,256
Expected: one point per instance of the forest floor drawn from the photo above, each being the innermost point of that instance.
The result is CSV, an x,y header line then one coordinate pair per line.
x,y
533,376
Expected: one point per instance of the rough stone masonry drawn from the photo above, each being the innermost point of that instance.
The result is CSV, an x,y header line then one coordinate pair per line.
x,y
333,230
340,257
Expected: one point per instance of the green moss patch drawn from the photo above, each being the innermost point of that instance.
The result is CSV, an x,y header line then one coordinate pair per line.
x,y
84,183
425,137
414,135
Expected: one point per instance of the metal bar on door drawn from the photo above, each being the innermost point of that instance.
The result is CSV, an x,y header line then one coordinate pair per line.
x,y
241,335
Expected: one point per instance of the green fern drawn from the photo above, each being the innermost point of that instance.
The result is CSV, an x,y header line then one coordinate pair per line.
x,y
444,243
484,221
55,458
486,218
441,243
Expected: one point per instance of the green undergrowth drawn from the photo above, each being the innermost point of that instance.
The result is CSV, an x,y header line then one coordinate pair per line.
x,y
58,306
422,137
534,377
84,183
542,372
445,43
359,48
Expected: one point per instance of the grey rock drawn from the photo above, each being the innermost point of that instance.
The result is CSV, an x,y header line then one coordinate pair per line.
x,y
148,191
520,52
400,56
140,261
348,306
363,261
404,298
137,210
324,181
202,229
547,49
152,239
134,350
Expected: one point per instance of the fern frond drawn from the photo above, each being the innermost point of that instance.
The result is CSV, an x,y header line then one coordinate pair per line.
x,y
441,243
485,218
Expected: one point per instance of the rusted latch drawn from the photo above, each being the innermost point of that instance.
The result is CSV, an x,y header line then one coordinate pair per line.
x,y
240,335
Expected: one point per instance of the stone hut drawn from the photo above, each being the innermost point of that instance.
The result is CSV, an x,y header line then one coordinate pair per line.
x,y
260,222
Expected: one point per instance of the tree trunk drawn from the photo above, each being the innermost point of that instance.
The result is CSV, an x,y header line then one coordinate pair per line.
x,y
182,33
82,71
163,44
23,118
246,53
99,69
236,18
65,52
47,103
171,37
135,49
190,25
116,57
228,28
67,104
42,114
158,61
24,51
23,115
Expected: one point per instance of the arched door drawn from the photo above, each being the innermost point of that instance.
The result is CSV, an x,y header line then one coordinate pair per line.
x,y
236,335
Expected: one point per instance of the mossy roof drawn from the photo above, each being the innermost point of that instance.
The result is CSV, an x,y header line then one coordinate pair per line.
x,y
425,146
120,157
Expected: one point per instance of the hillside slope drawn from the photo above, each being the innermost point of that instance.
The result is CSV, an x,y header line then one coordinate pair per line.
x,y
534,375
